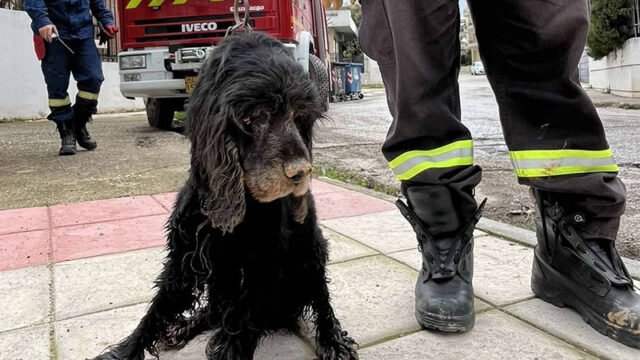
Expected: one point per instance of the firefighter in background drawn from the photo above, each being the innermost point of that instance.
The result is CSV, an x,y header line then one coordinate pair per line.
x,y
64,33
556,141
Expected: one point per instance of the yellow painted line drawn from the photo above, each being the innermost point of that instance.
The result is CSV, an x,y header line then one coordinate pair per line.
x,y
156,3
179,2
132,4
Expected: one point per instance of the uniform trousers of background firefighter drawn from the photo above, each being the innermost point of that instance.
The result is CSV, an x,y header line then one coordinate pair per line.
x,y
85,65
530,50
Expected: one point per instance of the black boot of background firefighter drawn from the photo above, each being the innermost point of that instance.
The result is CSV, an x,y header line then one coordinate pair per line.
x,y
67,137
444,220
587,274
85,140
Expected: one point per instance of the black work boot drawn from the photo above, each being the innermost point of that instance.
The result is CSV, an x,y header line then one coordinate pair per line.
x,y
444,228
585,274
68,144
82,134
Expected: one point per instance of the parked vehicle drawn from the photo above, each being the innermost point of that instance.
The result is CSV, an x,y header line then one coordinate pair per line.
x,y
477,68
166,42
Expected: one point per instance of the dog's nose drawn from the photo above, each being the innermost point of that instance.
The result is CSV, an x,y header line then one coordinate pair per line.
x,y
298,170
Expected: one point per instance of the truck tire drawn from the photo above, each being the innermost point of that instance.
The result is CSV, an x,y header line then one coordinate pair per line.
x,y
160,112
318,73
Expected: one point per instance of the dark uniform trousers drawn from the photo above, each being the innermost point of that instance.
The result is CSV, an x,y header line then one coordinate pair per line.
x,y
530,50
86,67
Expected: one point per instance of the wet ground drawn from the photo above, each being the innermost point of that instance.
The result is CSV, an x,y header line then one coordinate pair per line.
x,y
133,159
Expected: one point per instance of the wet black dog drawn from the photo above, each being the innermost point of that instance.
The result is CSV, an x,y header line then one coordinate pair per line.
x,y
245,254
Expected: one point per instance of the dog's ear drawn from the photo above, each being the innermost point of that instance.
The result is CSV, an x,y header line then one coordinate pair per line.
x,y
215,159
225,202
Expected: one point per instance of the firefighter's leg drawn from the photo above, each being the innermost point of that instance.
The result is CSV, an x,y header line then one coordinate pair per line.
x,y
56,71
557,144
430,151
87,70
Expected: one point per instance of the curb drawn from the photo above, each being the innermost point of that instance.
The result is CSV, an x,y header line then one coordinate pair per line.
x,y
496,228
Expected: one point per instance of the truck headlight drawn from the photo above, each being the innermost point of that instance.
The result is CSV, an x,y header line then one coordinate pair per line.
x,y
133,62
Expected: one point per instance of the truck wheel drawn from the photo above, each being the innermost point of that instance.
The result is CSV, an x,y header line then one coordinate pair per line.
x,y
318,73
160,112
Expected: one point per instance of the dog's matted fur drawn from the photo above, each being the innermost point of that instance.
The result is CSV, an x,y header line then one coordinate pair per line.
x,y
245,254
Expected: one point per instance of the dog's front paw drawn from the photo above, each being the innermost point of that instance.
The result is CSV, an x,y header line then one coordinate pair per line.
x,y
339,347
175,337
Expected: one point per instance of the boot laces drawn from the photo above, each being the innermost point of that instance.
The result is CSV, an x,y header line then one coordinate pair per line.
x,y
442,269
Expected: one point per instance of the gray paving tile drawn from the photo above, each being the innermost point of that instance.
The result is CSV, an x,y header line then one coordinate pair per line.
x,y
384,231
105,282
342,248
25,344
495,336
502,272
87,336
24,297
373,297
281,346
565,323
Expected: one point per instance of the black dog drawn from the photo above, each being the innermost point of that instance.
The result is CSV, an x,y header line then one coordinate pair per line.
x,y
246,256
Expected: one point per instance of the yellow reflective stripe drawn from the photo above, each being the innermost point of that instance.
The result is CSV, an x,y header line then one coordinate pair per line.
x,y
542,163
179,2
87,95
132,4
565,170
59,102
155,3
557,154
464,161
462,144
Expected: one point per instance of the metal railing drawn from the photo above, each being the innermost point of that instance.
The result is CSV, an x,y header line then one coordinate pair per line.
x,y
11,4
109,51
636,18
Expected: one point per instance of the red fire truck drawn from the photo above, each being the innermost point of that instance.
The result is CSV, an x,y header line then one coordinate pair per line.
x,y
165,42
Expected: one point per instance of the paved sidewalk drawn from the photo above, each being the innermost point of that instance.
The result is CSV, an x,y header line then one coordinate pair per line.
x,y
602,99
75,278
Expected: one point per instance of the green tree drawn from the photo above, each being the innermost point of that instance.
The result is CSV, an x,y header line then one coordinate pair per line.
x,y
610,26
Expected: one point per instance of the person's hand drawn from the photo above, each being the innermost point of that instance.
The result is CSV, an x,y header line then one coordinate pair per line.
x,y
47,31
111,30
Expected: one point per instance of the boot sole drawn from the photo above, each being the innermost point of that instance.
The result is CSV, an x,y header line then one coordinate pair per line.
x,y
88,146
542,287
452,324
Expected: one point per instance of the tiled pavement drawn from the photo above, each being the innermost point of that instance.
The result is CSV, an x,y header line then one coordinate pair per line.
x,y
75,278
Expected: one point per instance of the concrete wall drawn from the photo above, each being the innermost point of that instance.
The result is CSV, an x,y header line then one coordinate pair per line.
x,y
618,73
372,75
23,92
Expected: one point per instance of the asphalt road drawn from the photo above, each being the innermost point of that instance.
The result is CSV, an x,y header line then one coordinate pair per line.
x,y
133,159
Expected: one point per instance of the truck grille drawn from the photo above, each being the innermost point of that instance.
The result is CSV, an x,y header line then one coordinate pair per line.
x,y
172,29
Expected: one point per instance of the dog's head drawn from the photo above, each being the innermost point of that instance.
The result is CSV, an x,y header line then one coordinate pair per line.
x,y
250,122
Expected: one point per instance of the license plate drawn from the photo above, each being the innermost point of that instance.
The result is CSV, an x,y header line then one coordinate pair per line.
x,y
189,83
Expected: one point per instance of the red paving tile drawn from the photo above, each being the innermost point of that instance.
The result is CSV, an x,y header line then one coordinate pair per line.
x,y
348,203
104,210
103,227
166,199
111,237
24,249
18,220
